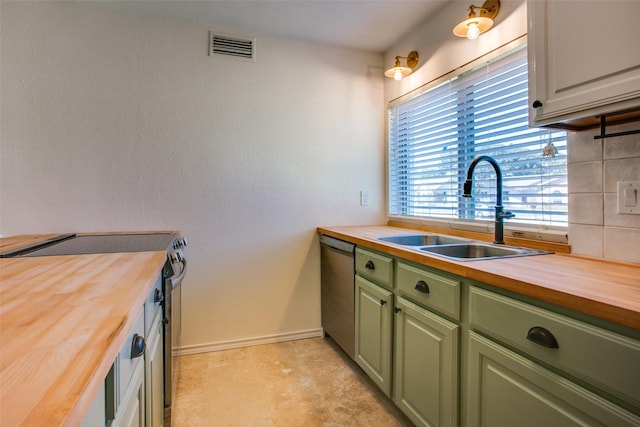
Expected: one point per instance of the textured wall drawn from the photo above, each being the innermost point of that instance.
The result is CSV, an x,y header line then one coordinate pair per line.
x,y
115,121
595,167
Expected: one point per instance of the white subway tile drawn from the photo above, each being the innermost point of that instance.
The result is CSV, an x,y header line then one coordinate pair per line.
x,y
585,177
586,208
581,147
622,244
620,170
586,240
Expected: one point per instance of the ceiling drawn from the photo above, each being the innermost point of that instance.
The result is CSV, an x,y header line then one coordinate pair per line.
x,y
372,25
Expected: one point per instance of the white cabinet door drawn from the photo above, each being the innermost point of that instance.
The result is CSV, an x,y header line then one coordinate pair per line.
x,y
584,58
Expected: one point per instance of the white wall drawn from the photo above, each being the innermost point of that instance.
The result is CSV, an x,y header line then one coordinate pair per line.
x,y
113,121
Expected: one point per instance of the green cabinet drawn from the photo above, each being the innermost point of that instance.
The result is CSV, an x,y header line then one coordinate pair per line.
x,y
131,411
426,366
153,357
454,352
410,352
133,391
373,317
506,389
154,375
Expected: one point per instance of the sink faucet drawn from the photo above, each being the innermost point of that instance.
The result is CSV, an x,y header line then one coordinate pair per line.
x,y
500,214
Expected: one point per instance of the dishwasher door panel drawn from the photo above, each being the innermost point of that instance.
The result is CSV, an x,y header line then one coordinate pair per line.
x,y
337,297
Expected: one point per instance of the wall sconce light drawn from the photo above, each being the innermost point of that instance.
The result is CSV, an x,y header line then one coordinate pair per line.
x,y
480,20
398,71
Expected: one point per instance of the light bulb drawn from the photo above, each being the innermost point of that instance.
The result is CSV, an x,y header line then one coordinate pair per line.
x,y
397,75
473,31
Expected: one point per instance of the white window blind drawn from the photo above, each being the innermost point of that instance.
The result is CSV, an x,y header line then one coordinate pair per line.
x,y
434,136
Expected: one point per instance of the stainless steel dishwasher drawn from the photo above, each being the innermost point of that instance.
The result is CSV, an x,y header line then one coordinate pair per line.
x,y
337,292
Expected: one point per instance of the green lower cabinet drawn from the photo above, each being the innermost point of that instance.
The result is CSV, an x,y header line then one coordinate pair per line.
x,y
132,412
373,312
154,375
426,366
506,389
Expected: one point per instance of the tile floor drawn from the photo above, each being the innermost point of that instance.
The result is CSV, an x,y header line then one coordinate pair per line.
x,y
300,383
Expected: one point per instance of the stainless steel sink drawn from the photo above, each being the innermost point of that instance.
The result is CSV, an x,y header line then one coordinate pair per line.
x,y
422,240
469,251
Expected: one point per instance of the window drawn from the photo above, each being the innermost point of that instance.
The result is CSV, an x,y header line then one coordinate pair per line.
x,y
434,136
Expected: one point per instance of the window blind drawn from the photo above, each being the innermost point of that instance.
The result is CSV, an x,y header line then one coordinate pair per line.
x,y
434,136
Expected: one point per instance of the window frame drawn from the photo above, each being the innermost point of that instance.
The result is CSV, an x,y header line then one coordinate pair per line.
x,y
547,232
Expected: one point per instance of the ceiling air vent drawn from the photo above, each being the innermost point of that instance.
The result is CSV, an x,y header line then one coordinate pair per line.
x,y
222,44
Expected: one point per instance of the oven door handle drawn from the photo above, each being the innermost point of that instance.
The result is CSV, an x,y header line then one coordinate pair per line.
x,y
177,280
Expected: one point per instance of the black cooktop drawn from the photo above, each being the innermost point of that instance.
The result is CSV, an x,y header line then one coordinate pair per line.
x,y
71,244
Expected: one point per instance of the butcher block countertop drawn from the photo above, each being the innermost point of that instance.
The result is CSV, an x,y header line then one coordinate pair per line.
x,y
606,289
63,320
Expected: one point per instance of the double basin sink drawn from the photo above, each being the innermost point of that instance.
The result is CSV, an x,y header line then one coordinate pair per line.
x,y
458,248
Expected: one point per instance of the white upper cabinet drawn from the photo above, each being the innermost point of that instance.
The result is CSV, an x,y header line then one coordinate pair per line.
x,y
584,60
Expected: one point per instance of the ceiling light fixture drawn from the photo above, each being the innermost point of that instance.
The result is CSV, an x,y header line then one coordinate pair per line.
x,y
398,71
480,20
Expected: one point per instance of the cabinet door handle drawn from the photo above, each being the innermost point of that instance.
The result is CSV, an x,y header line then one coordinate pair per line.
x,y
382,302
137,346
542,336
422,286
370,265
536,104
158,296
397,310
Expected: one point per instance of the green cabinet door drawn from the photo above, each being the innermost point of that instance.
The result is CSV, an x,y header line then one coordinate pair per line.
x,y
374,306
131,412
154,375
426,366
505,390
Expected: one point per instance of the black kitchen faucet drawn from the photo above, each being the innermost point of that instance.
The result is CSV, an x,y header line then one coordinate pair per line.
x,y
500,214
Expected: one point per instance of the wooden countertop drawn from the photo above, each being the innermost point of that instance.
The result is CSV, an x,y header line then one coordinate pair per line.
x,y
63,320
606,289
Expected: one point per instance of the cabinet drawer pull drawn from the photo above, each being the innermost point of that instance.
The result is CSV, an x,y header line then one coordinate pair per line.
x,y
158,296
382,302
422,286
540,335
137,346
537,104
370,265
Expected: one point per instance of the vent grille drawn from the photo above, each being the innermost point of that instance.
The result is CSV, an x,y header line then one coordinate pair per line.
x,y
239,47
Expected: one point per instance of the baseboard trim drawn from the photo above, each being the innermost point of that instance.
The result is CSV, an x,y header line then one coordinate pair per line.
x,y
248,342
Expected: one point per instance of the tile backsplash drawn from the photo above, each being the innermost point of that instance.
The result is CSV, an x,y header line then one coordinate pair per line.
x,y
594,169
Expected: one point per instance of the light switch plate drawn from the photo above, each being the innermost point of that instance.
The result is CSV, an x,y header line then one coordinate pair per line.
x,y
364,198
628,197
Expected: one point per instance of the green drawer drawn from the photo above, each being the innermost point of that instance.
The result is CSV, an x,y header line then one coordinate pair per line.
x,y
605,359
375,267
430,289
